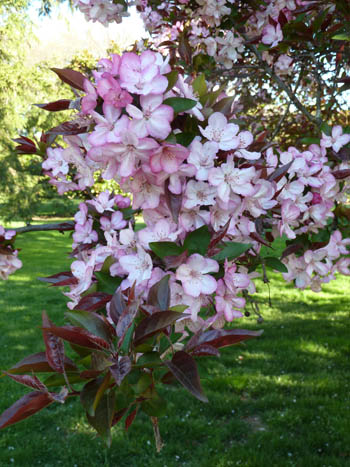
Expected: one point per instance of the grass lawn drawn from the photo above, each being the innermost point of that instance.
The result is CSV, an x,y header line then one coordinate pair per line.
x,y
280,400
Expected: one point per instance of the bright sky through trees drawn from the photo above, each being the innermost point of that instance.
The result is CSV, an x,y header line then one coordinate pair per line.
x,y
66,32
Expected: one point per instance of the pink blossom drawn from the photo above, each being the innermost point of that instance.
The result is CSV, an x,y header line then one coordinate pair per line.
x,y
272,35
115,223
194,275
103,202
138,266
7,234
140,74
9,263
154,118
235,280
122,201
84,233
202,156
146,193
89,101
168,158
289,213
106,123
199,194
229,179
111,92
163,230
222,133
55,162
337,140
179,297
227,303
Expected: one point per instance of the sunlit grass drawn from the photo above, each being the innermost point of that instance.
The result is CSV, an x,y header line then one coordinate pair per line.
x,y
280,400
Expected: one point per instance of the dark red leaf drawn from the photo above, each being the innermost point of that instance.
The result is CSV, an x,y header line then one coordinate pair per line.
x,y
280,172
217,237
28,405
341,174
130,418
62,104
71,77
159,294
39,364
175,261
184,368
68,128
168,378
80,248
89,374
120,369
30,381
118,416
26,145
282,19
93,301
222,337
291,249
61,396
78,336
155,323
173,201
126,320
117,306
184,48
54,346
205,349
255,236
60,279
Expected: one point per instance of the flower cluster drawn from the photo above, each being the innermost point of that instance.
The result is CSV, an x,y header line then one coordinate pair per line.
x,y
9,263
207,181
104,11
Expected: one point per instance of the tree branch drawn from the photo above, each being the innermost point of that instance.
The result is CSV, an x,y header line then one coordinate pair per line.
x,y
63,226
279,124
282,85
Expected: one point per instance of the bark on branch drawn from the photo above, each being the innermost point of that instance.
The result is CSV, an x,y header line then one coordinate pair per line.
x,y
61,227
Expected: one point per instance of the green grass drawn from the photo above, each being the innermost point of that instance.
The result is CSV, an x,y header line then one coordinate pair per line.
x,y
280,400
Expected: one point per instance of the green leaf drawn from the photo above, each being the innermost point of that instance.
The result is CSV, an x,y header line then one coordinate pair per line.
x,y
124,349
310,140
148,360
275,263
341,37
89,321
180,104
88,394
199,85
172,78
163,249
154,407
143,383
179,308
198,241
185,139
231,250
107,283
59,380
102,419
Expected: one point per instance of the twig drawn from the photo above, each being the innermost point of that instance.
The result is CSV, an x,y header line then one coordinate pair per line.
x,y
282,85
158,439
63,226
282,119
